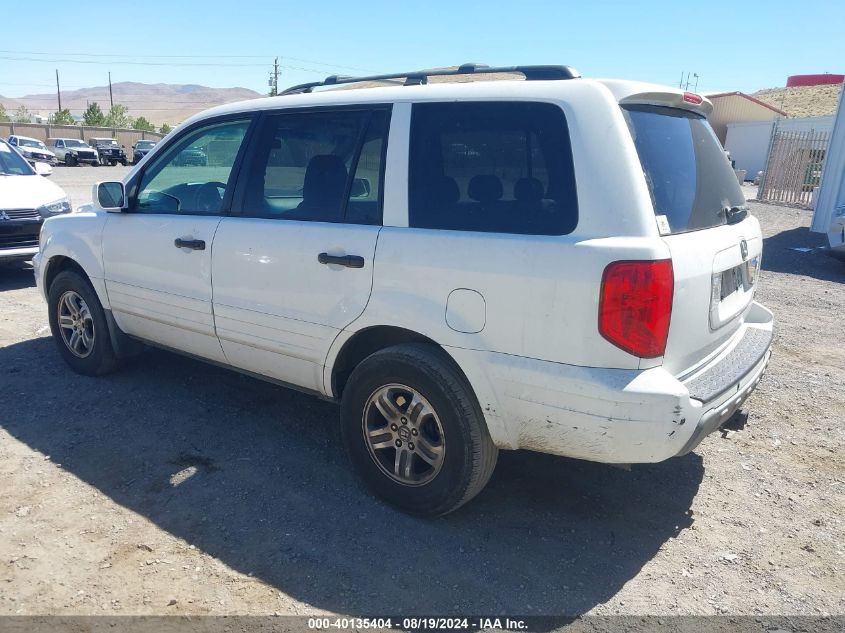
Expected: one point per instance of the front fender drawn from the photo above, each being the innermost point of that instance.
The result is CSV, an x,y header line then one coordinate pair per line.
x,y
78,237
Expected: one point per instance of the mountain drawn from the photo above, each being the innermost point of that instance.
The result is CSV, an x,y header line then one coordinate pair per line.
x,y
158,103
802,101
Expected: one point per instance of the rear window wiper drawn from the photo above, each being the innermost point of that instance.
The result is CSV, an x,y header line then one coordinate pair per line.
x,y
735,214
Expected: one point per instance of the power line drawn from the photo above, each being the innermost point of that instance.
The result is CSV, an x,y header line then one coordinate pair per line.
x,y
125,63
135,57
149,56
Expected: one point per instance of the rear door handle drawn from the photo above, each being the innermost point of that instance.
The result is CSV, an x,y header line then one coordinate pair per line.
x,y
350,261
195,245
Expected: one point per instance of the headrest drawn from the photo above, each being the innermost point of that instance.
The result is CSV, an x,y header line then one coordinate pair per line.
x,y
444,190
528,190
325,177
485,188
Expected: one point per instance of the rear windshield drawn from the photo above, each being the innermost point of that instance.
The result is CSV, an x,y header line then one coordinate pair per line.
x,y
692,184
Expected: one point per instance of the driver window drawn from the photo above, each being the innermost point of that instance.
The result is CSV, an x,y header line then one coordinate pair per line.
x,y
192,176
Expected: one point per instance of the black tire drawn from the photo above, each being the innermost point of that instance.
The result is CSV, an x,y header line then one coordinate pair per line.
x,y
124,162
469,455
70,160
101,359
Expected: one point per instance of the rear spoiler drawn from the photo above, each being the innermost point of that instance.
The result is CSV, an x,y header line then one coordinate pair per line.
x,y
683,100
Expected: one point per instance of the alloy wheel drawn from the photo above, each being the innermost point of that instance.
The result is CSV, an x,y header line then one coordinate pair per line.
x,y
76,324
403,434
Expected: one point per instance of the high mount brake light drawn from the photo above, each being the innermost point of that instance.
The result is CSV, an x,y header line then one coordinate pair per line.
x,y
635,305
691,97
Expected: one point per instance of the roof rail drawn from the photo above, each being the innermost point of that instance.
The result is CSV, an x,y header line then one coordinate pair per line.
x,y
418,77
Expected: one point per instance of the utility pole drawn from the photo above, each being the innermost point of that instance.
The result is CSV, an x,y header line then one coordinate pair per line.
x,y
274,78
111,96
58,91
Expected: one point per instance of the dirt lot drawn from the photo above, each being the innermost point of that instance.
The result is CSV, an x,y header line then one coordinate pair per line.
x,y
176,487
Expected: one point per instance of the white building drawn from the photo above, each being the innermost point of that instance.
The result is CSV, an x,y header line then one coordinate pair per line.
x,y
748,142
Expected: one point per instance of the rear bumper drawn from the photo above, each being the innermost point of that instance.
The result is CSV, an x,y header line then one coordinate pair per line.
x,y
615,415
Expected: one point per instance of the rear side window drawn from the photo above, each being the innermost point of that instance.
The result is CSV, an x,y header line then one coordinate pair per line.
x,y
496,167
323,166
689,177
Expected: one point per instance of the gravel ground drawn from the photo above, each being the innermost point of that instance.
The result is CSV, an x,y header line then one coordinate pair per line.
x,y
174,487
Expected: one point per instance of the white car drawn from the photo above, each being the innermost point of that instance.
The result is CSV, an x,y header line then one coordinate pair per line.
x,y
552,263
26,199
32,149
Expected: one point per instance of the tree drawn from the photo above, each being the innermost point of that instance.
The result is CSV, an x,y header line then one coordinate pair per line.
x,y
4,118
94,116
165,129
142,124
118,116
22,115
62,117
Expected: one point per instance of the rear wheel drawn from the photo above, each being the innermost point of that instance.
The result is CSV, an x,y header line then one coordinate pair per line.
x,y
78,324
414,431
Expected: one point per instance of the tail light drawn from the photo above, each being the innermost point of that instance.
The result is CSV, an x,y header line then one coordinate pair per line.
x,y
636,304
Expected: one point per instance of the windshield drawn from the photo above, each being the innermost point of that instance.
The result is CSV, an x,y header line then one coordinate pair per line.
x,y
144,144
691,182
74,143
31,142
11,163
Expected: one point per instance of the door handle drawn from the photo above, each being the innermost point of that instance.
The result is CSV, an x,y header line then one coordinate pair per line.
x,y
350,261
194,245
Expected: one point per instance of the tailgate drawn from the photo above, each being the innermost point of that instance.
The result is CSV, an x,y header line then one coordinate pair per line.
x,y
701,215
715,279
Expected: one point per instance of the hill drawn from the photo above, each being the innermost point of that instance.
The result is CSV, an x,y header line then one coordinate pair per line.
x,y
159,103
803,100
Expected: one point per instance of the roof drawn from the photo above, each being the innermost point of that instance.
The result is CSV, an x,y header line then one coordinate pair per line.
x,y
737,93
511,88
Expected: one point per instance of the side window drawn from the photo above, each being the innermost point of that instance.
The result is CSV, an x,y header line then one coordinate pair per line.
x,y
60,143
496,167
193,175
321,166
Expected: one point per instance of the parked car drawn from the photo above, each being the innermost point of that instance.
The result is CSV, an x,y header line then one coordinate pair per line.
x,y
140,149
72,151
192,156
32,149
109,150
489,287
26,199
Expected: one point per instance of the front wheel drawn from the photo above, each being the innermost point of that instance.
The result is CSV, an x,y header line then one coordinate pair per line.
x,y
78,324
414,430
70,160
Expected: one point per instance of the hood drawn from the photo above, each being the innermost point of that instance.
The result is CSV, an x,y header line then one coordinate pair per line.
x,y
39,150
28,192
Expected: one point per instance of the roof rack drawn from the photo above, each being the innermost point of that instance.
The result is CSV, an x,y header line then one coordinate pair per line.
x,y
418,77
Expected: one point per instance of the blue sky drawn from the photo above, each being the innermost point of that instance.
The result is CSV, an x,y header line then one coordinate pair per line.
x,y
744,45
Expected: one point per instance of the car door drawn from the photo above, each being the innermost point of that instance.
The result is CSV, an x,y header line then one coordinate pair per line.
x,y
293,265
157,254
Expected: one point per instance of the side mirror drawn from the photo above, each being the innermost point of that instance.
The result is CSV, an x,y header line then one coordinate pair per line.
x,y
110,196
43,169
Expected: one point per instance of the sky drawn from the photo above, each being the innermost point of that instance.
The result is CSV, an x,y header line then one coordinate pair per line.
x,y
745,45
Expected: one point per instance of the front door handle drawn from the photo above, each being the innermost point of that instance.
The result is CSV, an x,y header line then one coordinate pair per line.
x,y
350,261
195,245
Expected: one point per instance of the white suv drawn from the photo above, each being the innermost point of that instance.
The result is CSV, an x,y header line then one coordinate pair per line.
x,y
552,263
